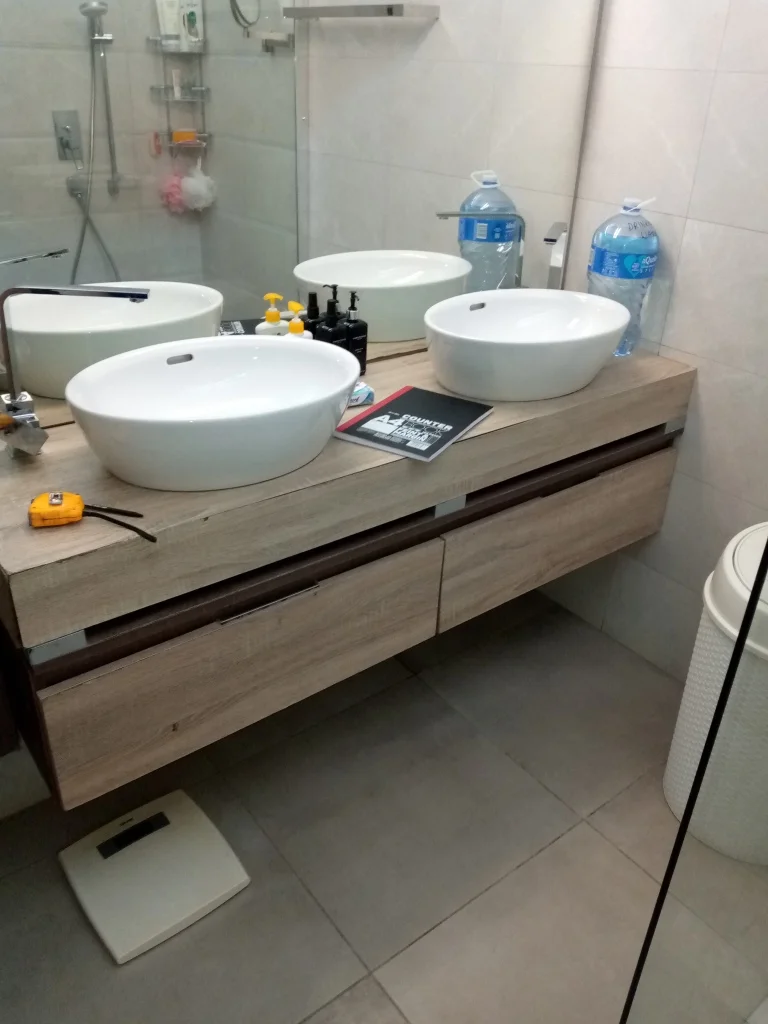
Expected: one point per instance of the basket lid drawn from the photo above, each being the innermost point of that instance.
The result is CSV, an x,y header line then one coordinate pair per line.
x,y
727,590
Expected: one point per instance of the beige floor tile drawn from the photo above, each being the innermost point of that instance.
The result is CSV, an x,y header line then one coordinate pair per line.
x,y
365,1003
557,940
395,813
731,897
268,955
581,713
692,976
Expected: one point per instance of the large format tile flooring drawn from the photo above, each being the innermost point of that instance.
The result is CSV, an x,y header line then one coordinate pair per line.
x,y
472,834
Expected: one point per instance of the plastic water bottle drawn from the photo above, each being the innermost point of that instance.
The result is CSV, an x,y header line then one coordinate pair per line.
x,y
491,243
625,250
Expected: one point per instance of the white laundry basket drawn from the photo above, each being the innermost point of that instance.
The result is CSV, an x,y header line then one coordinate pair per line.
x,y
732,810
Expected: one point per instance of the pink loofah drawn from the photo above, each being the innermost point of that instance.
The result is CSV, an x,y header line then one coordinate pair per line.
x,y
172,194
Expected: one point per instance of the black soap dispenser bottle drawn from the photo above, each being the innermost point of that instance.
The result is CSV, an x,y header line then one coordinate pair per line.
x,y
311,316
357,333
331,328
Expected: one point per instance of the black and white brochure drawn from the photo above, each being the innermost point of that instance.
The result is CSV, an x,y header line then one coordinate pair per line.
x,y
413,422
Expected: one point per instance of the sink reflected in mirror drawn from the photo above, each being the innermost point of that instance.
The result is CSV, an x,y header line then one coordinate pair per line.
x,y
54,337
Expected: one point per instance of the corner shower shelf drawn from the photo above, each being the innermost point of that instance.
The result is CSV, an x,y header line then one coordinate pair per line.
x,y
189,94
425,12
173,47
202,142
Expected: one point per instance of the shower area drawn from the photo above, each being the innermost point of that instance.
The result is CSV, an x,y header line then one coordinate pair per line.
x,y
114,139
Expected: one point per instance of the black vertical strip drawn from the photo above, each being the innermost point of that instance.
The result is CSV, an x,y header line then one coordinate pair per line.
x,y
698,779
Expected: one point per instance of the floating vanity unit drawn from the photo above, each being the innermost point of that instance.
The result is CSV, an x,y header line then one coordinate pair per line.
x,y
120,656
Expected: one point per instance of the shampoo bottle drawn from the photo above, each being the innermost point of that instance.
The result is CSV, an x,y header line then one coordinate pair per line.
x,y
168,21
357,333
296,326
191,25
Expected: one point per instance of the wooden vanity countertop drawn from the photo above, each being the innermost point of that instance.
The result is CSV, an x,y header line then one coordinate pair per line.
x,y
58,581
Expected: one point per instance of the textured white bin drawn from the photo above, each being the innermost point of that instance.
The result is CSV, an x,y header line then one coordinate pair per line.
x,y
732,810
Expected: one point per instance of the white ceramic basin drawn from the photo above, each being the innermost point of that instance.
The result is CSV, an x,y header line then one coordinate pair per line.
x,y
522,345
209,413
396,286
55,336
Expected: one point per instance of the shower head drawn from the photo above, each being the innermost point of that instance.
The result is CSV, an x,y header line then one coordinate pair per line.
x,y
93,9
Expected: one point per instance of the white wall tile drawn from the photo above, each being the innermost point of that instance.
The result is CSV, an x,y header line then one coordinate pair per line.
x,y
589,215
350,107
34,82
54,24
586,591
731,184
675,34
536,125
465,31
441,117
653,616
699,522
414,198
744,46
720,304
644,138
548,31
348,201
724,439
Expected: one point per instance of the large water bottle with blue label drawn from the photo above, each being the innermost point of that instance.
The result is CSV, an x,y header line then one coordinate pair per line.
x,y
491,238
625,250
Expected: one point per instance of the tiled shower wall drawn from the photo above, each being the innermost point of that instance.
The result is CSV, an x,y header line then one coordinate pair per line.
x,y
679,113
249,236
44,65
400,113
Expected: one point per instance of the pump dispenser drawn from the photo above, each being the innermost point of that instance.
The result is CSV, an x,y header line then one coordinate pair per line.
x,y
311,317
272,323
331,328
296,328
357,333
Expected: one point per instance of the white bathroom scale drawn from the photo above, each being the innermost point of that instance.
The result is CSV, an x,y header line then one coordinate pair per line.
x,y
150,873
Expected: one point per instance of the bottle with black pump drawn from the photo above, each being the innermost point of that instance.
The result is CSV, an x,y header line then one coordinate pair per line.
x,y
311,316
331,328
357,333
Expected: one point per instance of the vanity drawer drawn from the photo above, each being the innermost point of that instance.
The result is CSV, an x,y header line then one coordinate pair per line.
x,y
121,721
508,554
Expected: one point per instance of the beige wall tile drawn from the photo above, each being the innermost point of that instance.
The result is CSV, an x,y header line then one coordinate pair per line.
x,y
682,34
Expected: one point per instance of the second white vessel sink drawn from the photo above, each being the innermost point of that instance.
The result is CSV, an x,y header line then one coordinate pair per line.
x,y
395,286
210,413
53,337
522,345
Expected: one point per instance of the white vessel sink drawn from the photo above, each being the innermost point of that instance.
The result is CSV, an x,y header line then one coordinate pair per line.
x,y
522,345
53,337
210,413
396,286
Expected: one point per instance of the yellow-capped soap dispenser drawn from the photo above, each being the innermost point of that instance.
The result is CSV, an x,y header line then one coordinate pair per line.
x,y
272,324
296,328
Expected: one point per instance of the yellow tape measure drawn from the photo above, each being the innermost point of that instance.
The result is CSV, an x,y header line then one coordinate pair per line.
x,y
60,508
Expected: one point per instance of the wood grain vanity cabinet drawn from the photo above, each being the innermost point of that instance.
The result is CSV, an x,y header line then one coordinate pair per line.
x,y
130,717
126,656
508,554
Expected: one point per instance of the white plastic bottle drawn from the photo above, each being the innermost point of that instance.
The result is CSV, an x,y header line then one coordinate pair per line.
x,y
296,326
272,323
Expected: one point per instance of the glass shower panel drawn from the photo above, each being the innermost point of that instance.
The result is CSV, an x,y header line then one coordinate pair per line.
x,y
705,959
227,106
